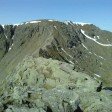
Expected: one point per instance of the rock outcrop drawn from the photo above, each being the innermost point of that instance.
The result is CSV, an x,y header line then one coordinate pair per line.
x,y
46,85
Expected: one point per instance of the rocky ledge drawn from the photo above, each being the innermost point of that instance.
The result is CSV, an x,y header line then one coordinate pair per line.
x,y
46,85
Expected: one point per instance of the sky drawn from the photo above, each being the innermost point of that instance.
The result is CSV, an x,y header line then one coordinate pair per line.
x,y
98,12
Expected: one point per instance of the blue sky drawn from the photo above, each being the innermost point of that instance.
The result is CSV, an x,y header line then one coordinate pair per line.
x,y
98,12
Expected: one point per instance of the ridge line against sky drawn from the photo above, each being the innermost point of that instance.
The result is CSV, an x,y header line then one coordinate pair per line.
x,y
97,12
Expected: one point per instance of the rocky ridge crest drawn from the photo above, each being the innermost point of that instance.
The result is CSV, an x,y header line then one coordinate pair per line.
x,y
46,85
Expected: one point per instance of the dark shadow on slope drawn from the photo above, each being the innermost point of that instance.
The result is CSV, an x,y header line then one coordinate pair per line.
x,y
108,88
78,109
49,109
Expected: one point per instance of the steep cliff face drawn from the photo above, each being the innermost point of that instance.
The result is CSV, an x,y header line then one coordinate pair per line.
x,y
85,46
3,42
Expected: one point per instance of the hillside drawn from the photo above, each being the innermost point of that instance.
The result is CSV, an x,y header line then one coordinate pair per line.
x,y
85,46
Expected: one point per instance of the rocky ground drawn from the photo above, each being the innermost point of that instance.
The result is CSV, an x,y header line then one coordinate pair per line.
x,y
47,85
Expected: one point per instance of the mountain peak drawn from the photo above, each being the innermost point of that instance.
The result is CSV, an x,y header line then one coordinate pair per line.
x,y
50,20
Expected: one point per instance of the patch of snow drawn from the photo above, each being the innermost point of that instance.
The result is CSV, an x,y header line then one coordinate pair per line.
x,y
95,54
55,27
97,75
84,46
6,36
95,37
71,62
13,37
12,44
3,26
77,23
98,37
51,20
76,61
57,49
81,23
90,52
68,22
99,56
11,47
101,63
66,53
32,22
72,101
35,21
83,32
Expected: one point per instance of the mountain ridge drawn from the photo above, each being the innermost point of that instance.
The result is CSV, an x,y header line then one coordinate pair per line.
x,y
78,44
52,66
51,20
